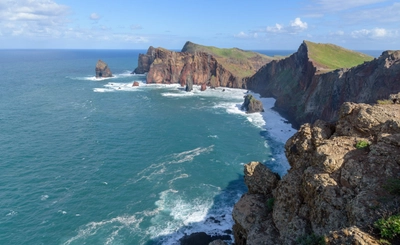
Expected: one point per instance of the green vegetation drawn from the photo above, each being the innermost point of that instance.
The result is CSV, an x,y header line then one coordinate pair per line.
x,y
362,144
393,186
384,102
239,62
270,204
389,227
311,240
332,57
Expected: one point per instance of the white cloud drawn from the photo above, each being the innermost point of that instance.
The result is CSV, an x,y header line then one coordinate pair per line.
x,y
339,5
375,33
295,26
241,35
95,16
136,27
276,28
32,18
298,24
246,35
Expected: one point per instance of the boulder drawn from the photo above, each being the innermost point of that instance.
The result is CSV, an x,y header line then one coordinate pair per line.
x,y
203,87
102,70
135,84
251,104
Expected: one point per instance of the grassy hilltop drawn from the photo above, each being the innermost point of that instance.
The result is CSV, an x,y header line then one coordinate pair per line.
x,y
239,62
330,57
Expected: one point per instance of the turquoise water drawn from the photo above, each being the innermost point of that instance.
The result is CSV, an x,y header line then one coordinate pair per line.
x,y
86,161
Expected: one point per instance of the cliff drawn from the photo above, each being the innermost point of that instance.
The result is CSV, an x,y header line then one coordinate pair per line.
x,y
337,187
306,90
200,65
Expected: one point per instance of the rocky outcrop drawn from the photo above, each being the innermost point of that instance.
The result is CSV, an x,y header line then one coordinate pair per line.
x,y
102,70
168,67
200,65
335,190
135,84
304,95
251,104
203,87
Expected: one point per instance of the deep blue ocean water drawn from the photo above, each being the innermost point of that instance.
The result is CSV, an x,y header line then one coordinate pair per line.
x,y
87,161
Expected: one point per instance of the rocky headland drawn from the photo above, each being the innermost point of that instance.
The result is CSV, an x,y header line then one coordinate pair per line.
x,y
308,86
336,188
102,70
198,65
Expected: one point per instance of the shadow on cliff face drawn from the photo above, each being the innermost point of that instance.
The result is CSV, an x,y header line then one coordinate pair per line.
x,y
217,223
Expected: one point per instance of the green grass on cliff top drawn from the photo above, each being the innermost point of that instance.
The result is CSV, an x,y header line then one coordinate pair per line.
x,y
330,56
235,53
235,60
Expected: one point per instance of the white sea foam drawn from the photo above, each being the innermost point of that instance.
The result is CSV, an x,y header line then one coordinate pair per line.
x,y
180,215
44,197
121,222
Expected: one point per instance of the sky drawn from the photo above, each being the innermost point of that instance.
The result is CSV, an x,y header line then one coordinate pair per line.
x,y
246,24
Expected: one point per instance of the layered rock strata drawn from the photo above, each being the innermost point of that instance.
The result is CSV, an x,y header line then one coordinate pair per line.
x,y
102,69
168,67
334,191
304,95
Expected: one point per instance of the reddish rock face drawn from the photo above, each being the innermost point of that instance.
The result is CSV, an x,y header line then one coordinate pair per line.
x,y
164,66
304,96
135,84
203,87
102,70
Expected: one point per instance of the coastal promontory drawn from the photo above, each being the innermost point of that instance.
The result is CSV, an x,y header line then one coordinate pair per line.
x,y
199,65
315,81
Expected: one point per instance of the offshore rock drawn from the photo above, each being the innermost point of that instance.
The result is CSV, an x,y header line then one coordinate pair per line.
x,y
251,104
303,94
203,87
135,84
333,189
102,70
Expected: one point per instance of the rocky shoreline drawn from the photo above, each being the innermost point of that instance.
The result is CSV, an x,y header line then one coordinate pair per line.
x,y
334,190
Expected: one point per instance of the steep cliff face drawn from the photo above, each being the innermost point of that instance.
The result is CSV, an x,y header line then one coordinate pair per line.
x,y
164,66
201,65
334,189
304,93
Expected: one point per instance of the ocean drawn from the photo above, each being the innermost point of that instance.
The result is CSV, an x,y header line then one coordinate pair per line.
x,y
97,161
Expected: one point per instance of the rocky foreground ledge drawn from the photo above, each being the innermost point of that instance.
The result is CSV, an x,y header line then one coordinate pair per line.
x,y
337,187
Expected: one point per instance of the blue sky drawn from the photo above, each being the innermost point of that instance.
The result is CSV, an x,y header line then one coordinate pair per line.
x,y
246,24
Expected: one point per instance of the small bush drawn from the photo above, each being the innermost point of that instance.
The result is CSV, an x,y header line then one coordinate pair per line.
x,y
393,186
311,240
270,204
362,144
384,102
390,227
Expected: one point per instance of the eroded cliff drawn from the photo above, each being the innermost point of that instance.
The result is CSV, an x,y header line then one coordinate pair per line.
x,y
305,91
335,189
200,65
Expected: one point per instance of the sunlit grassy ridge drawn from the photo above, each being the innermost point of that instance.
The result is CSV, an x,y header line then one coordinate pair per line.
x,y
239,62
330,56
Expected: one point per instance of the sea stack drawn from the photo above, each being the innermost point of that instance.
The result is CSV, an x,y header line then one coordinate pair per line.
x,y
251,104
102,70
